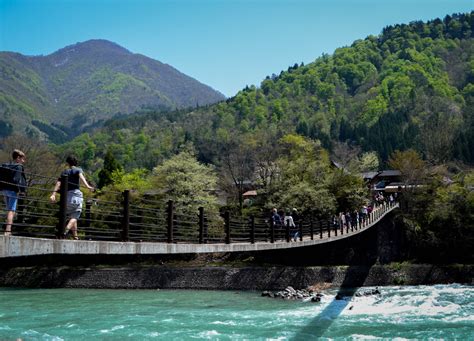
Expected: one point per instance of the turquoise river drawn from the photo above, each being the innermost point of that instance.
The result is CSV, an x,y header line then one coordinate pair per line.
x,y
398,312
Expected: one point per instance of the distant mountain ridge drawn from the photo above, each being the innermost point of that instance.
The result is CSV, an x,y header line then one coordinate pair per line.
x,y
85,83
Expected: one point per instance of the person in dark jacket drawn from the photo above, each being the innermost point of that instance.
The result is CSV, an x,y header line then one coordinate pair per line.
x,y
276,218
13,189
74,194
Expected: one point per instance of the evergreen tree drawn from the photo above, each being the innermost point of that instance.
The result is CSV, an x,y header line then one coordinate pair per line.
x,y
110,165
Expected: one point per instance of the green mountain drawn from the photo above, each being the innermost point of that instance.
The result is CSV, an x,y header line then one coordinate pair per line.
x,y
86,83
412,86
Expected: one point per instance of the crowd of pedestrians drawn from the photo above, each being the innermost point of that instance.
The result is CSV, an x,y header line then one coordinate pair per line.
x,y
351,219
283,219
345,220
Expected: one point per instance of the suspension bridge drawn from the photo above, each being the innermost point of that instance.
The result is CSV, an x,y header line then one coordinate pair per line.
x,y
122,223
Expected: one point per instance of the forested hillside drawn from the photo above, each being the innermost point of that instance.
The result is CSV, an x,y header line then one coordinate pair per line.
x,y
60,94
401,100
410,87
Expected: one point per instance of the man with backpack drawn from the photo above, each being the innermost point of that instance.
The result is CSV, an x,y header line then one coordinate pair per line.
x,y
12,182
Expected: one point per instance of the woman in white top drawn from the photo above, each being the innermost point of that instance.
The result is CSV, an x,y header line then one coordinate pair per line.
x,y
289,222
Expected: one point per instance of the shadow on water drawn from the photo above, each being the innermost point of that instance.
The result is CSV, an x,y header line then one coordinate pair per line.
x,y
353,280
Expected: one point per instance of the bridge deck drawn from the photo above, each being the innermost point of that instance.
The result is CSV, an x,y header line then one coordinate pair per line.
x,y
16,246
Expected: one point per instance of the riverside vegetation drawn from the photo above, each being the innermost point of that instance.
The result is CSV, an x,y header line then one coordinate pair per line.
x,y
402,99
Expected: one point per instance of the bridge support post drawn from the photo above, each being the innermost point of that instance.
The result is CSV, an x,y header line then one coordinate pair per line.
x,y
287,231
170,227
201,225
62,207
252,229
227,227
320,229
311,229
126,215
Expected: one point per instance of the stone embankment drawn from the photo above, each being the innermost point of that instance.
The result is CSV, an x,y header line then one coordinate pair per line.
x,y
259,278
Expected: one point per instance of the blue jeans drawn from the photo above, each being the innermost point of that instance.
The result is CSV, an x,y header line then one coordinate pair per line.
x,y
11,200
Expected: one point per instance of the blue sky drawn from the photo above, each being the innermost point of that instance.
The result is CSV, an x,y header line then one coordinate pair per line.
x,y
226,44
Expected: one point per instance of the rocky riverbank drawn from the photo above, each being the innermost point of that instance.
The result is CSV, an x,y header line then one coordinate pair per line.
x,y
233,278
295,294
314,294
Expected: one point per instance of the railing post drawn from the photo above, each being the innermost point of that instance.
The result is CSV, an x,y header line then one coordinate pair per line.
x,y
201,225
170,227
126,215
252,229
20,211
62,207
311,229
87,222
320,229
272,231
300,225
227,227
287,231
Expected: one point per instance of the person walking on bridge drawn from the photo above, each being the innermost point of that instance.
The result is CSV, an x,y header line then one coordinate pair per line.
x,y
13,183
291,224
74,194
276,218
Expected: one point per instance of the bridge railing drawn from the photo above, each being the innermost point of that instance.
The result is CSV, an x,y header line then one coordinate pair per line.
x,y
123,216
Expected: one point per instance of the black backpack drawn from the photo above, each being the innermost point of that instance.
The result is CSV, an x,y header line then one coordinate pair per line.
x,y
7,176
